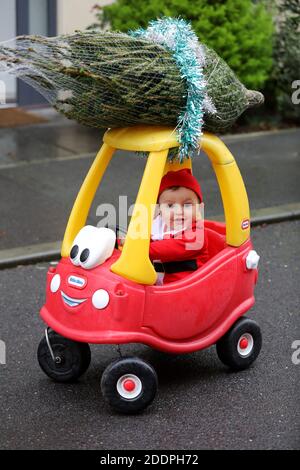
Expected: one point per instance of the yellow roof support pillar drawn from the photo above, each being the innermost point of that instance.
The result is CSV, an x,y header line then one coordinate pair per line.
x,y
233,191
134,262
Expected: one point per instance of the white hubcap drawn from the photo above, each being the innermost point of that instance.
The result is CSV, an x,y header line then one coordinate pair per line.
x,y
245,345
129,386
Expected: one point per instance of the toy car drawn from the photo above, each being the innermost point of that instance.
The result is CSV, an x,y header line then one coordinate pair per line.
x,y
100,294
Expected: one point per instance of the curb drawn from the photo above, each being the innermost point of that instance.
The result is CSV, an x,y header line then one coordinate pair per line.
x,y
29,254
227,138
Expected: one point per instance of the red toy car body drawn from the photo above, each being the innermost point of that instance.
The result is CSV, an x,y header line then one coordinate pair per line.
x,y
207,302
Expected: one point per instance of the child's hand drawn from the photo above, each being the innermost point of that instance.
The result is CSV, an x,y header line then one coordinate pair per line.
x,y
121,241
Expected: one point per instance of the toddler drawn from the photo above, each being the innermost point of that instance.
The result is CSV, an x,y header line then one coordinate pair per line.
x,y
178,244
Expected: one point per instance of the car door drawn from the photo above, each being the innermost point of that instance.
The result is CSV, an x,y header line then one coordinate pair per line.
x,y
189,307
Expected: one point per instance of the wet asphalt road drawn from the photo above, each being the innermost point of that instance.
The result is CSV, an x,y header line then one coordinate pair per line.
x,y
200,404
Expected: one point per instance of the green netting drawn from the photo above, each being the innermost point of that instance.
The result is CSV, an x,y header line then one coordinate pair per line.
x,y
110,79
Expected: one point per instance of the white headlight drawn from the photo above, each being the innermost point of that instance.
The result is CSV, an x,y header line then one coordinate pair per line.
x,y
252,260
55,283
100,298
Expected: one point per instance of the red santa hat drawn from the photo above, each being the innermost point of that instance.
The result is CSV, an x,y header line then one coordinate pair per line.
x,y
180,178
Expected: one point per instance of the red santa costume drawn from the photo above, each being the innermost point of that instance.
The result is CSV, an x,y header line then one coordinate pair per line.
x,y
175,254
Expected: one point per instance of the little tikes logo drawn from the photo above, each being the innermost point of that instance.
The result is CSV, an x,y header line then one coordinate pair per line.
x,y
76,281
245,224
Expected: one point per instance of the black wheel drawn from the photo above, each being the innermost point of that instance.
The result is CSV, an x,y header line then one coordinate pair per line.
x,y
72,359
129,385
241,345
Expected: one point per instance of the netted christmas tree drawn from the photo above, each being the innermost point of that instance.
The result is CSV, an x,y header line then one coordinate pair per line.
x,y
161,75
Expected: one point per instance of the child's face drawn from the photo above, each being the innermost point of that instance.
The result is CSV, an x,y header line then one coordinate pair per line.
x,y
179,207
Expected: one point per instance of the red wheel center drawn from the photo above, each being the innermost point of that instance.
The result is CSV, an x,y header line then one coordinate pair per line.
x,y
129,385
244,343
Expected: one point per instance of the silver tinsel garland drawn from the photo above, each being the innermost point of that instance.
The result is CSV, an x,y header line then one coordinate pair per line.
x,y
176,35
